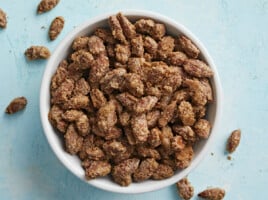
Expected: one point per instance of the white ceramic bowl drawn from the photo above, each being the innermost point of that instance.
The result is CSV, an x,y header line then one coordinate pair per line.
x,y
72,162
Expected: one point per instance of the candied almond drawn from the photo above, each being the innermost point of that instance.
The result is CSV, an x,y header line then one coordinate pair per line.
x,y
180,95
72,115
144,25
202,128
81,87
77,102
55,117
207,89
150,45
154,137
60,75
186,113
97,97
130,137
124,118
46,5
73,141
113,80
188,47
165,137
145,170
163,171
106,116
184,157
185,189
152,117
145,104
135,65
158,31
80,43
122,172
97,169
113,133
105,35
63,92
127,100
83,59
37,52
123,156
56,27
82,125
95,153
147,152
117,30
212,194
165,46
140,128
99,68
167,114
233,141
198,95
114,148
122,53
95,45
137,48
129,29
186,132
197,68
177,143
176,58
134,84
16,105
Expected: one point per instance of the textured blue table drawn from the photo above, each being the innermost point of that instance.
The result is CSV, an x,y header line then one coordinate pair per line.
x,y
236,35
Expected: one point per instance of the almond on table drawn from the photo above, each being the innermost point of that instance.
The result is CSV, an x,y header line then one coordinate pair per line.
x,y
37,52
212,194
233,141
56,27
16,105
185,189
46,5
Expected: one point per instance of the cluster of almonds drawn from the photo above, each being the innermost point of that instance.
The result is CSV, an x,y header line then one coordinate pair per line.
x,y
35,52
131,101
56,26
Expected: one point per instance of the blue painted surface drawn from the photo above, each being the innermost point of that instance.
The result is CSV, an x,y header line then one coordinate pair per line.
x,y
236,35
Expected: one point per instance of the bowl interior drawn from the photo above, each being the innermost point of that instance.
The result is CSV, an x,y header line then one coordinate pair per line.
x,y
72,162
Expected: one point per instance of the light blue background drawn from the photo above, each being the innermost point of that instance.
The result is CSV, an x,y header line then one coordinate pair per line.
x,y
234,32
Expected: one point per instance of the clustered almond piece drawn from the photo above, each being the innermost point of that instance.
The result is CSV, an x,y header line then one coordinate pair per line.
x,y
16,105
37,52
56,27
46,5
129,103
3,19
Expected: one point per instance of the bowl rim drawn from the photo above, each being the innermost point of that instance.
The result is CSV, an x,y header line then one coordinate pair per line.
x,y
47,78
